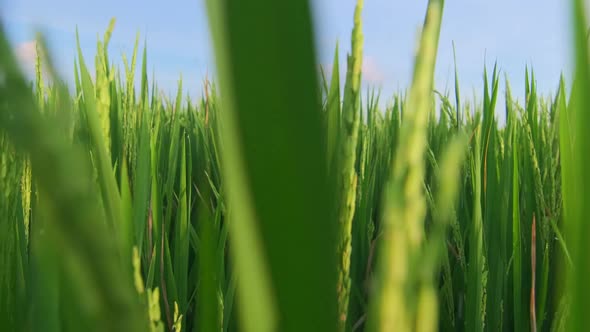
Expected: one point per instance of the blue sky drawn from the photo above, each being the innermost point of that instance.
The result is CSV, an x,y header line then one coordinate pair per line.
x,y
514,33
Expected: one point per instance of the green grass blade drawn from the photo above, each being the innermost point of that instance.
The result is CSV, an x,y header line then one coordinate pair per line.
x,y
334,109
108,185
347,176
475,306
405,204
275,145
517,251
181,243
62,172
576,177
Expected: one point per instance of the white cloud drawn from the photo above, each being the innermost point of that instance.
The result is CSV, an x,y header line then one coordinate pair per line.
x,y
26,53
372,72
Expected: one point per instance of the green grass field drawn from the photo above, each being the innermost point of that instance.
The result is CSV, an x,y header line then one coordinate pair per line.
x,y
278,202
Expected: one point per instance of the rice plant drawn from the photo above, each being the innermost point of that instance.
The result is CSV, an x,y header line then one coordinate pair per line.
x,y
277,202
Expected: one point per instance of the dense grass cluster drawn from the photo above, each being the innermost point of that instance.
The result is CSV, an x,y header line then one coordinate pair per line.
x,y
286,204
